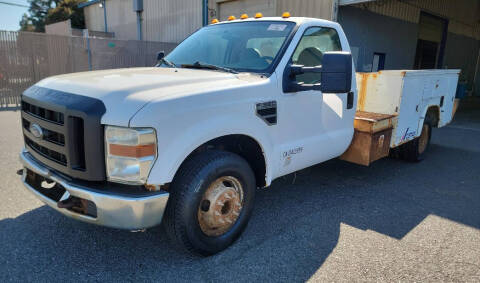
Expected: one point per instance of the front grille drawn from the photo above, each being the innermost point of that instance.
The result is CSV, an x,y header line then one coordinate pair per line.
x,y
48,135
63,131
42,113
46,152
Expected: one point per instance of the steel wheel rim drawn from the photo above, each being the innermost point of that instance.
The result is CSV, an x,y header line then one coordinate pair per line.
x,y
220,206
423,140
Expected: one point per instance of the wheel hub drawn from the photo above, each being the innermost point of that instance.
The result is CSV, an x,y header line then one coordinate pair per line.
x,y
220,206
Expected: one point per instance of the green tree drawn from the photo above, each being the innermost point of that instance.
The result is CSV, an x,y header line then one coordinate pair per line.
x,y
26,23
67,10
37,14
43,12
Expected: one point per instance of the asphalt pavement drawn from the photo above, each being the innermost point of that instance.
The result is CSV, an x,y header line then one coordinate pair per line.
x,y
392,221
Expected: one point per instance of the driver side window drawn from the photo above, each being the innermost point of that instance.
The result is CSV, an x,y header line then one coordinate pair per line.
x,y
309,52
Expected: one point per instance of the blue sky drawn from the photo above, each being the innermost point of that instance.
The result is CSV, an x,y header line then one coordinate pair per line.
x,y
10,15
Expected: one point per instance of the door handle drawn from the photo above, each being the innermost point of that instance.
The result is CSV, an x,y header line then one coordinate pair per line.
x,y
350,97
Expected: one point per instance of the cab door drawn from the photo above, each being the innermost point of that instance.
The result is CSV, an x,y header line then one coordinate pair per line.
x,y
313,126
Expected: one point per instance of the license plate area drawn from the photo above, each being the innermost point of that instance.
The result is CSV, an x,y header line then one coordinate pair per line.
x,y
44,186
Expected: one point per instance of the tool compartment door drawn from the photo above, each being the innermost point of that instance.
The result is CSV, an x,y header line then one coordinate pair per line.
x,y
409,112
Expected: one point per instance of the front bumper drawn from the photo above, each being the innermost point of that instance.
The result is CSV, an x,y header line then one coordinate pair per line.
x,y
112,209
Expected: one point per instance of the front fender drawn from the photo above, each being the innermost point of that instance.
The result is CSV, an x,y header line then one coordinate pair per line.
x,y
174,150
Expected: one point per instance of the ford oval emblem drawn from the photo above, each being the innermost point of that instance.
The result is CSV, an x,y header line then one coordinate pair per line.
x,y
36,130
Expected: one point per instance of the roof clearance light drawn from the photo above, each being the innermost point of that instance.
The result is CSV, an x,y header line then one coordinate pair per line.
x,y
258,15
231,18
214,21
243,16
286,15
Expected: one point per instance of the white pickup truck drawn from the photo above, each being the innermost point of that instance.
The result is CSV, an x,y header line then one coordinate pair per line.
x,y
233,107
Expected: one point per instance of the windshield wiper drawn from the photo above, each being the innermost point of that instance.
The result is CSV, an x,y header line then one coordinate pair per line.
x,y
198,65
166,61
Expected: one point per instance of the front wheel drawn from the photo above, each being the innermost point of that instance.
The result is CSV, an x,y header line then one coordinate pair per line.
x,y
211,200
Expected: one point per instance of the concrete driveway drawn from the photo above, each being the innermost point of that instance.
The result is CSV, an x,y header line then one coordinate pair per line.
x,y
392,221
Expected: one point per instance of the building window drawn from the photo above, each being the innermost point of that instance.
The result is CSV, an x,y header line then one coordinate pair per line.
x,y
378,63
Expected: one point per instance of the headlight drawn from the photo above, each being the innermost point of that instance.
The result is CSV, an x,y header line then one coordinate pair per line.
x,y
130,153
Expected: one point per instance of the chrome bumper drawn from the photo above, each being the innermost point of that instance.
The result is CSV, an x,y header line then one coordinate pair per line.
x,y
116,211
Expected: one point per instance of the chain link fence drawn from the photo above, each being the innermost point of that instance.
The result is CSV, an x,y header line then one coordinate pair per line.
x,y
26,58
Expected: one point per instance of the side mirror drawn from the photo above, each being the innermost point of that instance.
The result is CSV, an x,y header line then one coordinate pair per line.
x,y
335,74
160,55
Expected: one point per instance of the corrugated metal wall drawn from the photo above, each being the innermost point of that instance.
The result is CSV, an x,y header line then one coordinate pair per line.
x,y
250,7
94,18
306,8
463,15
221,9
163,20
171,21
462,41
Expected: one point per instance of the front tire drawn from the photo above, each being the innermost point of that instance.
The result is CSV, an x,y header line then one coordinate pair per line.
x,y
211,200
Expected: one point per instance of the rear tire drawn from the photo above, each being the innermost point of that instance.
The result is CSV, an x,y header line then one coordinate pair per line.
x,y
414,150
211,200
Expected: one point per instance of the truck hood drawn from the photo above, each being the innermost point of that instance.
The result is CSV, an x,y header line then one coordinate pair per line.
x,y
125,91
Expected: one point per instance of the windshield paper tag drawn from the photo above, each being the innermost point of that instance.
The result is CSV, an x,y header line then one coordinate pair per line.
x,y
277,27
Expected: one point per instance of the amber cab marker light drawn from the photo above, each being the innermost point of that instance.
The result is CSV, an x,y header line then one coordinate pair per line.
x,y
244,16
135,151
286,15
258,15
231,18
214,21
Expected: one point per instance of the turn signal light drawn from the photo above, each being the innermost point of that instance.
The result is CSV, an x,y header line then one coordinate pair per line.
x,y
286,15
231,18
135,151
258,15
214,21
243,16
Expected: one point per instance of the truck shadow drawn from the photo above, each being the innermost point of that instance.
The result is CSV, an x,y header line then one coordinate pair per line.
x,y
295,226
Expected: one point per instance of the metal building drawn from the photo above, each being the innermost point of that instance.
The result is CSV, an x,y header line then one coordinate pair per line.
x,y
162,20
415,34
384,34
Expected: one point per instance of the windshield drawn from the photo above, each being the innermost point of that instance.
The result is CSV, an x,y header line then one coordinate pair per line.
x,y
243,47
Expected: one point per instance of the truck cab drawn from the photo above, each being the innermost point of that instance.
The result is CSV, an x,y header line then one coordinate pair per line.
x,y
236,105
